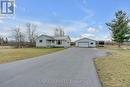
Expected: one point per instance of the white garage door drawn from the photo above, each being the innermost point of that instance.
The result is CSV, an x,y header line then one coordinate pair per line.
x,y
83,44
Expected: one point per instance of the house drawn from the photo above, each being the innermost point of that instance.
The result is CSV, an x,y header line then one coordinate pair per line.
x,y
53,41
85,42
58,40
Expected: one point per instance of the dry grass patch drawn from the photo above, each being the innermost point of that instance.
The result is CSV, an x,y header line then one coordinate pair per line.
x,y
8,55
114,70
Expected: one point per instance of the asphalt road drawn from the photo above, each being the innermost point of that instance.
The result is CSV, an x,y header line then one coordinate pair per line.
x,y
72,67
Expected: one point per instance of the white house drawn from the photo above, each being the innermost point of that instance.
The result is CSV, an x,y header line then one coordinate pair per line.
x,y
53,41
85,42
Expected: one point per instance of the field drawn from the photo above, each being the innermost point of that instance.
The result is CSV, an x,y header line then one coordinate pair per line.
x,y
114,70
13,54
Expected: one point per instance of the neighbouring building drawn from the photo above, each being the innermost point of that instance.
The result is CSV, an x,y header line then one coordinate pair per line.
x,y
100,43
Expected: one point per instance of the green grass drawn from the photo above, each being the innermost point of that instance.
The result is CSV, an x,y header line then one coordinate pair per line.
x,y
114,70
13,54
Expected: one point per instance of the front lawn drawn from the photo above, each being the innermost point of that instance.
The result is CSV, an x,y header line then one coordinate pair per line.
x,y
13,54
114,70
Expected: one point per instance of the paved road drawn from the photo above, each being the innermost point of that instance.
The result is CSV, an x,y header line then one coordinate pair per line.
x,y
68,68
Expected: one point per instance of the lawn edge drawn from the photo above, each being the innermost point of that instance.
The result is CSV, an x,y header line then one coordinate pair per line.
x,y
97,72
108,53
32,57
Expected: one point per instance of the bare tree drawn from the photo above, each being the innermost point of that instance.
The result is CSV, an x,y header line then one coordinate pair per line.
x,y
6,41
31,33
1,41
18,36
58,32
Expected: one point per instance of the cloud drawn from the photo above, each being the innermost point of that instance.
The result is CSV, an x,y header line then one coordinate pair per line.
x,y
45,28
92,36
5,32
1,21
2,17
86,35
107,38
88,12
92,30
73,39
100,26
75,27
48,28
54,13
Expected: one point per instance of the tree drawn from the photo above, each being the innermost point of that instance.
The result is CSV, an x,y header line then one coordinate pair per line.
x,y
6,40
31,33
119,27
1,41
18,36
58,32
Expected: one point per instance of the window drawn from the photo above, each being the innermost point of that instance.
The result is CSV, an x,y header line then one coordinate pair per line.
x,y
53,41
91,43
59,42
40,41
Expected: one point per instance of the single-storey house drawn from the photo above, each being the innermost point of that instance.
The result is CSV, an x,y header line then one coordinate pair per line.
x,y
85,42
53,41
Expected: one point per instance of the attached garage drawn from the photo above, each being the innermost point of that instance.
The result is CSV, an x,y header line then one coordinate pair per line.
x,y
85,42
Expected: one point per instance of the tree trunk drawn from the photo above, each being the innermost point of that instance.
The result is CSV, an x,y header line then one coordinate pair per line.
x,y
119,44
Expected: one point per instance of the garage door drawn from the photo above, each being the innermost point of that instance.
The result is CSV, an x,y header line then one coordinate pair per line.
x,y
83,44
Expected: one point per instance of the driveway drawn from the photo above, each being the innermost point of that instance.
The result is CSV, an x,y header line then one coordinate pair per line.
x,y
72,67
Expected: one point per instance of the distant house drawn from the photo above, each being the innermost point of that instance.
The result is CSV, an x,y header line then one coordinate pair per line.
x,y
85,42
58,40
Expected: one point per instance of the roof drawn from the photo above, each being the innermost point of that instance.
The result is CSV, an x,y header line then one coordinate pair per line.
x,y
62,37
55,37
45,36
85,38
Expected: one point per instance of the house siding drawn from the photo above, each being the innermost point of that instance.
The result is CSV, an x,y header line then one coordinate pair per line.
x,y
43,43
65,41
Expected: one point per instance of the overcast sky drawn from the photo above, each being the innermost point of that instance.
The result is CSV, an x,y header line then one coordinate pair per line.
x,y
78,18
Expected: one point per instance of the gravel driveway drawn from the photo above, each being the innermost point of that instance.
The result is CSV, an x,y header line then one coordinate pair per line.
x,y
72,67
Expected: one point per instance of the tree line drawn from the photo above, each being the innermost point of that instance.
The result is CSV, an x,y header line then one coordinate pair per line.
x,y
3,41
25,38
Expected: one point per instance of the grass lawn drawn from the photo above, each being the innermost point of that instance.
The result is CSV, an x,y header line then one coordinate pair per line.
x,y
114,70
13,54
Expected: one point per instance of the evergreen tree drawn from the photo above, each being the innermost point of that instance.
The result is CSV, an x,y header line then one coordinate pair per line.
x,y
119,27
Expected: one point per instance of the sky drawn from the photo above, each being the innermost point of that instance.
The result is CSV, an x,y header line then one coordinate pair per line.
x,y
78,18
